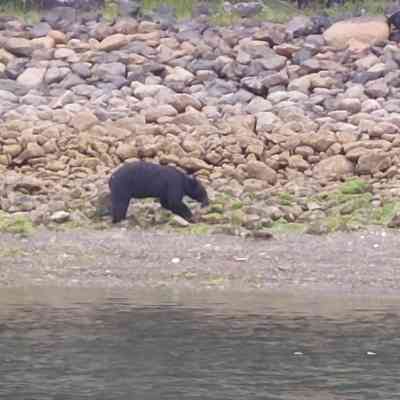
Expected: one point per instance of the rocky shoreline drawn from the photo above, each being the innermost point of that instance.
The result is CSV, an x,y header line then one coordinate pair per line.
x,y
289,128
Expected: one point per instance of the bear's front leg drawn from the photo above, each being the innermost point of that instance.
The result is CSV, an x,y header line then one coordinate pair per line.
x,y
183,211
178,208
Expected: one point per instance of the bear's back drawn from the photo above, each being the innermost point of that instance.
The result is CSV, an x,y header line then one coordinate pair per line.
x,y
145,179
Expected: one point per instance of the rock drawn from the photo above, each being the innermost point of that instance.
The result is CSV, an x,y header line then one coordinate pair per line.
x,y
32,77
259,170
181,101
41,29
60,217
353,106
274,34
258,105
109,69
57,36
395,221
302,84
191,117
113,42
192,164
298,162
179,74
5,56
5,95
299,26
19,46
373,161
377,88
318,227
266,121
367,30
33,150
334,167
54,75
12,149
43,43
125,151
257,49
63,52
84,120
262,234
154,113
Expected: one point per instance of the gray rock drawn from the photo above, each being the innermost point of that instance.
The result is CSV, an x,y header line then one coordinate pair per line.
x,y
82,69
40,30
19,46
266,121
54,75
109,69
32,77
377,88
257,105
34,100
16,67
8,96
299,26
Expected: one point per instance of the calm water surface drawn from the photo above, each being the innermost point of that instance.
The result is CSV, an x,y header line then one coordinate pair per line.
x,y
67,344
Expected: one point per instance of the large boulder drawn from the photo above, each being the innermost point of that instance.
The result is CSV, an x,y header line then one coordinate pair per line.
x,y
368,30
333,167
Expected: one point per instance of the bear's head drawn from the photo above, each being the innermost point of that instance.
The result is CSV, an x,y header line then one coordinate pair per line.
x,y
196,191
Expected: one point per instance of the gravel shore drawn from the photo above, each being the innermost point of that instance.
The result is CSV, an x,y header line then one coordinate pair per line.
x,y
357,263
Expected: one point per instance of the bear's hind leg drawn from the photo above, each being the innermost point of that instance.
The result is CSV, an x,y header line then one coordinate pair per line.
x,y
119,209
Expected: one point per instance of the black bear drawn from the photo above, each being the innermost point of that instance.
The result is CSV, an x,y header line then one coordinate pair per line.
x,y
144,179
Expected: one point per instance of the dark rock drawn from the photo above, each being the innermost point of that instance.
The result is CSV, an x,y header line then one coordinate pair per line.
x,y
137,75
189,35
395,36
201,65
303,55
299,26
16,67
320,24
254,84
262,234
84,90
241,96
255,68
363,77
220,87
395,221
71,80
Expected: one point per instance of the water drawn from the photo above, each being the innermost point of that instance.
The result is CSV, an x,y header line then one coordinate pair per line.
x,y
67,344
